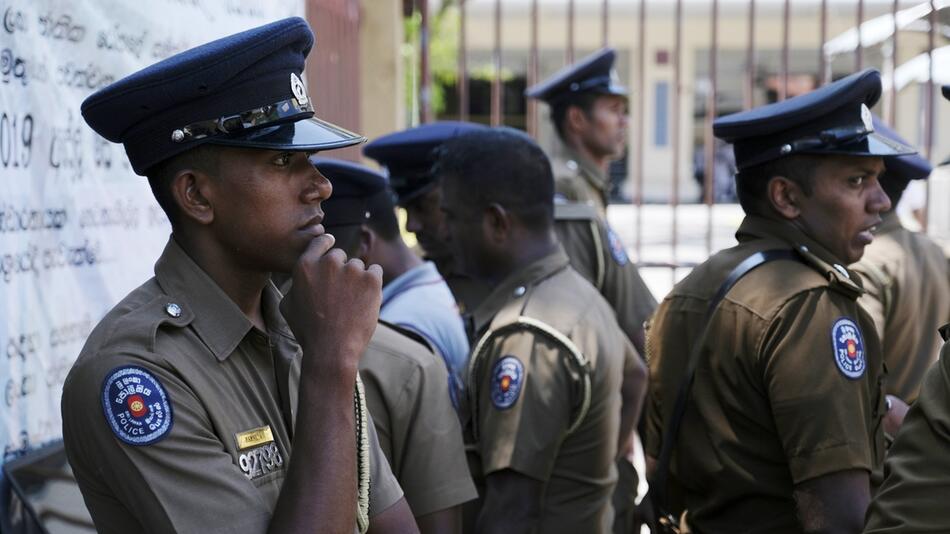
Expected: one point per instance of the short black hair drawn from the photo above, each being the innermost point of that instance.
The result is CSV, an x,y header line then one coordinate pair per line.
x,y
202,157
501,166
751,183
583,101
893,186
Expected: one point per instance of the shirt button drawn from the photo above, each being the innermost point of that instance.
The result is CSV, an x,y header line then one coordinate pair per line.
x,y
173,310
519,291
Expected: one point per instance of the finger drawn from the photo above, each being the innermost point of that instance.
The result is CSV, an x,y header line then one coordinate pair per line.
x,y
356,263
319,245
375,270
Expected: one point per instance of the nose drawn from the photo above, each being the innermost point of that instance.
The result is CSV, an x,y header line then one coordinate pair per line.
x,y
318,187
879,201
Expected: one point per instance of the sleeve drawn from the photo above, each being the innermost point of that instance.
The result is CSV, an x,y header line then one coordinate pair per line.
x,y
822,390
625,290
183,482
657,364
428,440
384,489
917,469
524,405
875,299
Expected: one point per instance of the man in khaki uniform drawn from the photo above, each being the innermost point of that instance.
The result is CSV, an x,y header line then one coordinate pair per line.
x,y
407,384
589,112
917,470
782,430
203,402
554,384
907,283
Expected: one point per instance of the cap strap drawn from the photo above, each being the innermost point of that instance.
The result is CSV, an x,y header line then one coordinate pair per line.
x,y
268,115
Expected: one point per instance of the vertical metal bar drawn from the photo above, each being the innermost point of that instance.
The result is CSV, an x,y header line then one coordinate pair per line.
x,y
783,84
892,97
675,128
569,55
708,139
603,23
463,65
823,66
496,115
859,50
929,107
638,146
748,100
425,91
533,71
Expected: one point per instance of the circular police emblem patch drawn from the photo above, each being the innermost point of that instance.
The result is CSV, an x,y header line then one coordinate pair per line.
x,y
507,377
136,406
848,346
617,249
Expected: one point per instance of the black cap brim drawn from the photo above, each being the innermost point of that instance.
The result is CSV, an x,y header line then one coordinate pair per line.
x,y
874,144
311,134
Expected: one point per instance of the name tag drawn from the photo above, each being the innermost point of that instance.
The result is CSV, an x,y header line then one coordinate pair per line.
x,y
254,437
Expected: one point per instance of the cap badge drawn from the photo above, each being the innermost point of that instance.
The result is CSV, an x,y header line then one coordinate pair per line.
x,y
867,119
300,92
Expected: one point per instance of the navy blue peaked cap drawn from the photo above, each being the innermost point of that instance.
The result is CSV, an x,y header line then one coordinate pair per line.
x,y
408,155
592,74
834,119
242,90
901,168
354,188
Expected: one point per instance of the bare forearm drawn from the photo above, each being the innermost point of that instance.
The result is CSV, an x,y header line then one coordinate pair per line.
x,y
633,391
321,486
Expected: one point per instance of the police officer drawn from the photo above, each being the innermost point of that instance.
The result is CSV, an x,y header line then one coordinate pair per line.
x,y
203,401
361,216
546,375
910,499
589,112
783,426
907,280
408,156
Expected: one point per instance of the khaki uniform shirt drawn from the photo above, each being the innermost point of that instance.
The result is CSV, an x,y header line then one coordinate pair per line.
x,y
578,180
526,391
788,387
913,497
225,391
407,394
598,255
908,295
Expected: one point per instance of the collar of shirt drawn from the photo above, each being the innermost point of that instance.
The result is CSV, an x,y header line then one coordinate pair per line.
x,y
755,227
420,275
588,170
218,321
528,276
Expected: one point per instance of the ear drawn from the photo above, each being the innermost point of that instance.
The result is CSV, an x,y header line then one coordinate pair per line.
x,y
189,187
367,243
496,223
785,196
576,119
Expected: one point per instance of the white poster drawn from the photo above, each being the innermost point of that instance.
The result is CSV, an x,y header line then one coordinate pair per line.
x,y
78,229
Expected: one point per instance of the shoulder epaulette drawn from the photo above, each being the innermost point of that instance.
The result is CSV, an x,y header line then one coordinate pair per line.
x,y
140,326
574,211
411,334
839,278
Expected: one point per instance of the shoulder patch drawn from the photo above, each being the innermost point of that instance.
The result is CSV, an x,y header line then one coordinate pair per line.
x,y
848,346
507,377
136,406
617,249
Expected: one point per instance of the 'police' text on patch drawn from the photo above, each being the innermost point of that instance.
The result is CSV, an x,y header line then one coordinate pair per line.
x,y
507,377
848,346
136,406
